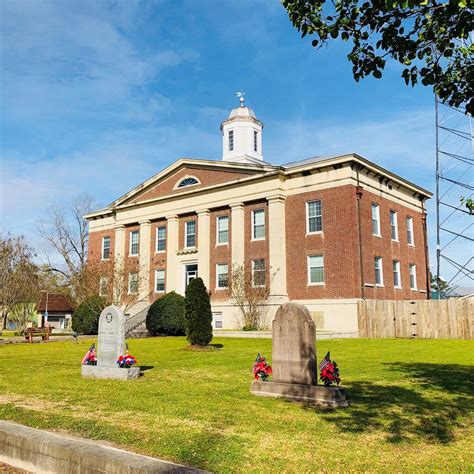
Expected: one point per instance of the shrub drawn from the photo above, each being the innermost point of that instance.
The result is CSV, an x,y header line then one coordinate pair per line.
x,y
166,316
85,319
198,314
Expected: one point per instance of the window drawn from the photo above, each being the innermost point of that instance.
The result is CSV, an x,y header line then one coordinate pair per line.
x,y
255,142
396,274
222,271
393,225
258,273
134,242
378,271
376,220
410,231
231,140
103,286
223,230
188,182
217,320
258,224
105,248
159,281
161,239
314,217
315,269
190,238
132,283
413,277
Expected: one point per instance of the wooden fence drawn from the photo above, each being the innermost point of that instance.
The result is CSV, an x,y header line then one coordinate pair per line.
x,y
436,319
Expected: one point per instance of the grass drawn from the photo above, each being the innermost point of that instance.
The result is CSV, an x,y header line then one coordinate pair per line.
x,y
411,405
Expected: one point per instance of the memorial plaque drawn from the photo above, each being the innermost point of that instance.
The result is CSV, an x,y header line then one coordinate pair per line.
x,y
111,341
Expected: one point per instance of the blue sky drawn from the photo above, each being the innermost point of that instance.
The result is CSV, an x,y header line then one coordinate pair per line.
x,y
98,96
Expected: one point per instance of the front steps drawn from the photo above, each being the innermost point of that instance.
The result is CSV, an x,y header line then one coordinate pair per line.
x,y
135,326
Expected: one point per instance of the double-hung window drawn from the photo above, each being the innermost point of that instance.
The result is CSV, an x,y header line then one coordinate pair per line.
x,y
103,286
159,281
105,248
222,230
161,239
412,268
378,271
396,274
134,242
222,276
410,238
132,283
258,273
315,269
376,220
231,140
258,224
314,217
190,237
393,225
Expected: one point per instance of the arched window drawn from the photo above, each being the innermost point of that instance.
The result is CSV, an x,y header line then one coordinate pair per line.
x,y
187,182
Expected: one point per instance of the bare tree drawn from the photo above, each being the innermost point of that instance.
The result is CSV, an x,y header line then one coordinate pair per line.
x,y
19,275
66,231
249,291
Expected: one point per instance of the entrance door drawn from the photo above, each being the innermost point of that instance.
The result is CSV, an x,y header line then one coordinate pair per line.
x,y
191,273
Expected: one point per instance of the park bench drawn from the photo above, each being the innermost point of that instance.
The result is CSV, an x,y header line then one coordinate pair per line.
x,y
44,333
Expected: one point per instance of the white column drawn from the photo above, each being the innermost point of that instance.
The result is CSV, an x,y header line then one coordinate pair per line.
x,y
119,255
144,260
172,241
204,242
119,242
277,246
237,225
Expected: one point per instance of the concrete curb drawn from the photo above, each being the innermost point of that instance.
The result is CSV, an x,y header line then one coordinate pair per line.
x,y
45,452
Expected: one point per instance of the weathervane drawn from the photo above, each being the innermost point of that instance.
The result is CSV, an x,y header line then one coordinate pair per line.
x,y
240,95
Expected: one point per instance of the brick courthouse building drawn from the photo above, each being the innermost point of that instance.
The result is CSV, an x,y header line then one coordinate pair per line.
x,y
332,230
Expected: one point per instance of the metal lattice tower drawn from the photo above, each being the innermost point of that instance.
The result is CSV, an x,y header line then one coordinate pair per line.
x,y
454,179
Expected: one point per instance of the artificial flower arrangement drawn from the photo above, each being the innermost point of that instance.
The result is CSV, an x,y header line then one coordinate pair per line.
x,y
91,357
126,361
261,368
329,371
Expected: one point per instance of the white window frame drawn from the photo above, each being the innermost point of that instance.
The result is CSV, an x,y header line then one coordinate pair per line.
x,y
103,247
396,269
230,139
380,260
186,224
158,239
218,220
254,226
156,280
377,219
218,265
410,232
217,318
308,269
103,279
264,272
412,273
308,217
132,233
130,281
394,225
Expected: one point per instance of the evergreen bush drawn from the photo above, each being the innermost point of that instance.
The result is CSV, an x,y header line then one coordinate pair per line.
x,y
166,316
85,319
198,314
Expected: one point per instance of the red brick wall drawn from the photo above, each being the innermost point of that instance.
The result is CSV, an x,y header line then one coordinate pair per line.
x,y
157,259
182,221
337,244
219,254
95,244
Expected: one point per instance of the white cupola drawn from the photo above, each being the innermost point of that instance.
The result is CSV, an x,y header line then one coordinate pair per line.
x,y
242,135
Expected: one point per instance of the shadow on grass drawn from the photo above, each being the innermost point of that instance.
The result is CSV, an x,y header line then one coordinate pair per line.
x,y
143,368
431,406
217,346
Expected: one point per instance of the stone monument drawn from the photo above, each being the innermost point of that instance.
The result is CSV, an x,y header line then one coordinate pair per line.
x,y
111,345
295,374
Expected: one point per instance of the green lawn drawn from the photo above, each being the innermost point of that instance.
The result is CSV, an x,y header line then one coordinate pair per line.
x,y
411,405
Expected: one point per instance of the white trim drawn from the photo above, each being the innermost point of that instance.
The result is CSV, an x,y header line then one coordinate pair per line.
x,y
186,176
186,235
253,273
377,218
156,280
217,229
316,232
130,280
395,213
156,238
102,250
252,225
410,266
308,270
130,254
399,286
409,219
219,288
380,259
